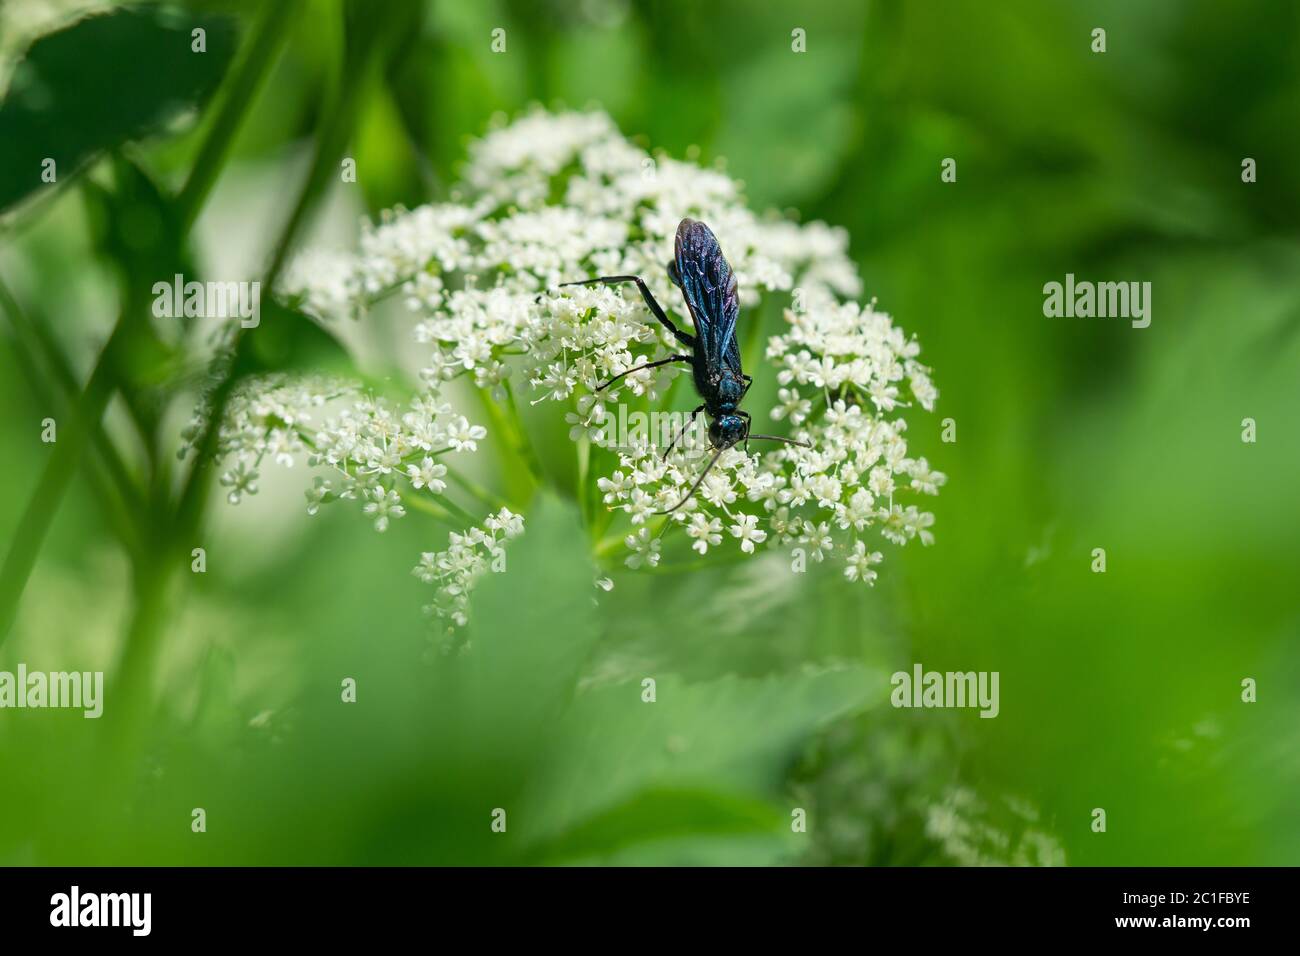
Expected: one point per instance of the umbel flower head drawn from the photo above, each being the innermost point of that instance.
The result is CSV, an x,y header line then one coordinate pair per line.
x,y
845,373
367,452
556,197
468,557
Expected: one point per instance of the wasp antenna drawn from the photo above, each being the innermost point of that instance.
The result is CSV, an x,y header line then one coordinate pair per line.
x,y
698,481
788,441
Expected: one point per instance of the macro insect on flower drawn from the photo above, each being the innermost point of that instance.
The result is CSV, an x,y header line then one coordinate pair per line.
x,y
711,292
545,199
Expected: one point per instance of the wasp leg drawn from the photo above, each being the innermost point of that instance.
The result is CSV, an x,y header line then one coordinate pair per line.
x,y
669,359
683,337
698,481
691,421
749,421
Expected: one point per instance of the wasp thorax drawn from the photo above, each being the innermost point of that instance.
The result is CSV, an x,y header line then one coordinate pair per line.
x,y
730,390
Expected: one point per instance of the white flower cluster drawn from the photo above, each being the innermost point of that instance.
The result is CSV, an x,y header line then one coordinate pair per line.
x,y
554,198
545,200
468,557
841,367
371,453
970,834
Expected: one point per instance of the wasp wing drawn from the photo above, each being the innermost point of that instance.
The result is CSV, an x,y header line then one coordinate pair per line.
x,y
709,287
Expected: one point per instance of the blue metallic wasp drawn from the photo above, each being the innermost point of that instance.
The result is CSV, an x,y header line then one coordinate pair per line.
x,y
708,285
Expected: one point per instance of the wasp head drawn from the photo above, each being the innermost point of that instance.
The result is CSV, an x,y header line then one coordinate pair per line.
x,y
726,430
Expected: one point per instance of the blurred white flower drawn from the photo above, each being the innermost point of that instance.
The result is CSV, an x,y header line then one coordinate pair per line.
x,y
367,449
971,833
384,504
645,550
857,567
468,557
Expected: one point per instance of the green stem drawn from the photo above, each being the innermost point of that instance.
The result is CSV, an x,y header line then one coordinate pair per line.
x,y
521,480
330,144
133,678
88,414
521,435
484,496
111,487
51,485
435,508
683,567
34,337
582,492
247,74
607,546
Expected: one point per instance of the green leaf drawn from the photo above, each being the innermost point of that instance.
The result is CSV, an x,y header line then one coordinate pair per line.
x,y
731,735
101,82
662,815
134,223
286,339
216,713
531,630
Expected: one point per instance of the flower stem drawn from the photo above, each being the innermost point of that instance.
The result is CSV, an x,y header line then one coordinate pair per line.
x,y
486,497
88,410
521,476
371,52
608,545
247,75
525,442
443,510
53,482
581,492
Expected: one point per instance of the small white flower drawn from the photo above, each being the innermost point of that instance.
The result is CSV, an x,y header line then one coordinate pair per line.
x,y
857,566
384,504
924,479
316,494
428,475
792,405
462,436
705,530
241,480
819,540
746,529
645,549
506,522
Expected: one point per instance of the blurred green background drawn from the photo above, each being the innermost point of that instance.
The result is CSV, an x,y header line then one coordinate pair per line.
x,y
1119,690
